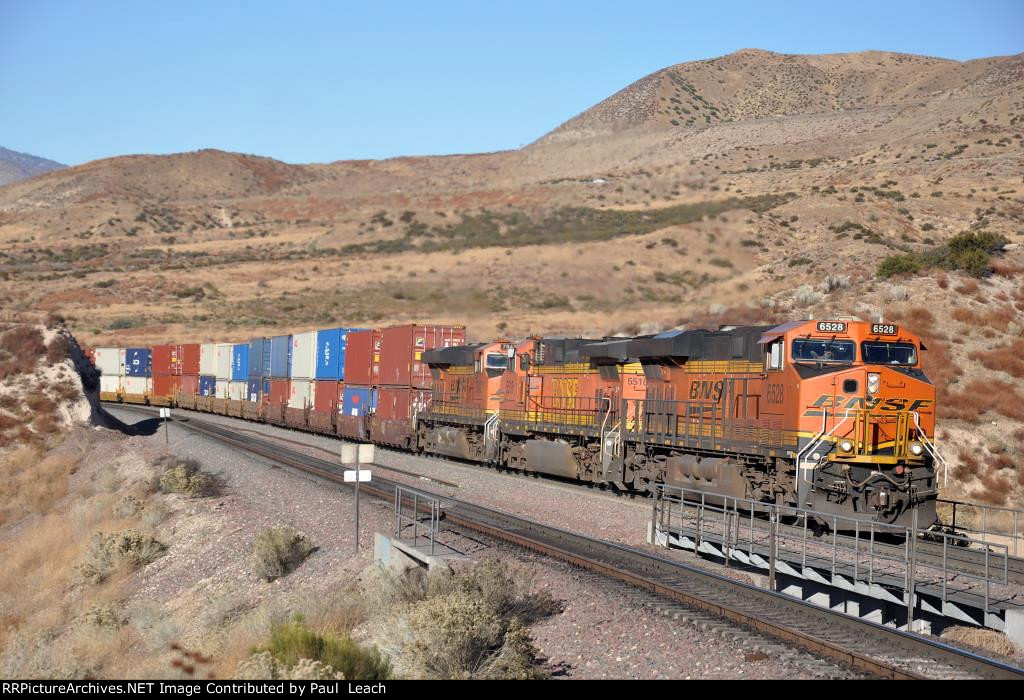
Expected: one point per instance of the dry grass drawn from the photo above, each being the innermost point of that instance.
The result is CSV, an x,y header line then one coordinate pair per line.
x,y
21,347
981,396
984,640
1005,358
31,483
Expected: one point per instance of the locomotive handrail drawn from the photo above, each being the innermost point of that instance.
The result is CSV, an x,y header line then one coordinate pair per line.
x,y
930,446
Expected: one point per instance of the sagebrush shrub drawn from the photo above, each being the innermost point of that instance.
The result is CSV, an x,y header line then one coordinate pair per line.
x,y
279,551
185,476
108,552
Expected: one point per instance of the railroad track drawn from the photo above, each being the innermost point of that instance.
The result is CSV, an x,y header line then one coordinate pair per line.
x,y
881,651
955,559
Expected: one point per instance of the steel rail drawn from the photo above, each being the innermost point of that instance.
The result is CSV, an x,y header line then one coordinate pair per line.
x,y
882,651
955,559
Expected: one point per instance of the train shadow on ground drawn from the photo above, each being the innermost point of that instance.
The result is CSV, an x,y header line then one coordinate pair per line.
x,y
142,428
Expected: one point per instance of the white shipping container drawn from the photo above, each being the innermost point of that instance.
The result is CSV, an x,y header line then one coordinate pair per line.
x,y
237,390
304,355
110,361
223,372
208,359
138,386
301,393
110,384
220,389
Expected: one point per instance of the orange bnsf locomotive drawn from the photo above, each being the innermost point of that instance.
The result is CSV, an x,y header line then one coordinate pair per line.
x,y
835,416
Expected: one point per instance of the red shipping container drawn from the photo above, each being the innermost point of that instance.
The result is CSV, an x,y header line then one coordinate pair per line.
x,y
362,357
176,359
327,395
400,403
190,384
280,391
166,385
402,346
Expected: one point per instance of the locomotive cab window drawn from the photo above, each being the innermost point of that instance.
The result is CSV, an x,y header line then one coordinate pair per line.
x,y
888,353
774,355
496,363
814,350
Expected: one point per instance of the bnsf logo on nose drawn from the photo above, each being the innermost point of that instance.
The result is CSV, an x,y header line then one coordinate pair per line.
x,y
706,390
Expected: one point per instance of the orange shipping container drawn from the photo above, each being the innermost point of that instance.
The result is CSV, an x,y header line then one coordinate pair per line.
x,y
176,359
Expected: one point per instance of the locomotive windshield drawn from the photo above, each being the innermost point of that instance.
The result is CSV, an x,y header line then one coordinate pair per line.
x,y
496,361
812,350
888,353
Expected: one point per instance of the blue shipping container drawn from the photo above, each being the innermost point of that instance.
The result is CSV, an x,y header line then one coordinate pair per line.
x,y
259,358
138,362
358,400
330,352
207,385
254,390
281,356
240,362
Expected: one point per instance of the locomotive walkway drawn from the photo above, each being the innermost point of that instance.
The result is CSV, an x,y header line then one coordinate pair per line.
x,y
883,651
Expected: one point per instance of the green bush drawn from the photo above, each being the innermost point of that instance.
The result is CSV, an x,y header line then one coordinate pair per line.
x,y
968,251
279,551
294,646
898,265
971,251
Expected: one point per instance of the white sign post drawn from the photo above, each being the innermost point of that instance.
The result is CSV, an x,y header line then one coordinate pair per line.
x,y
353,454
165,413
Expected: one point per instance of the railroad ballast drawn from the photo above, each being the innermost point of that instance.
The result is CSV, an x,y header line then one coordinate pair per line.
x,y
836,416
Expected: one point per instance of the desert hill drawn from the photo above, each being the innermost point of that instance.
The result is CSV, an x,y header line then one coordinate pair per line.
x,y
754,85
752,187
15,166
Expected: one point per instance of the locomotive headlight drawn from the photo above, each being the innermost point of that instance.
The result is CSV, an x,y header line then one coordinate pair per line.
x,y
846,446
874,382
916,449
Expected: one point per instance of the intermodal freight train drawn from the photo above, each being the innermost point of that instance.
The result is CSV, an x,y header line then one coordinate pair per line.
x,y
836,416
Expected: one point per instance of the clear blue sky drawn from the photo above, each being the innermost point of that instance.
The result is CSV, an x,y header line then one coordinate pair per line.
x,y
322,81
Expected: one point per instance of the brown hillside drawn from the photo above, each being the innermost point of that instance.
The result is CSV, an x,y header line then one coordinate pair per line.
x,y
795,177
